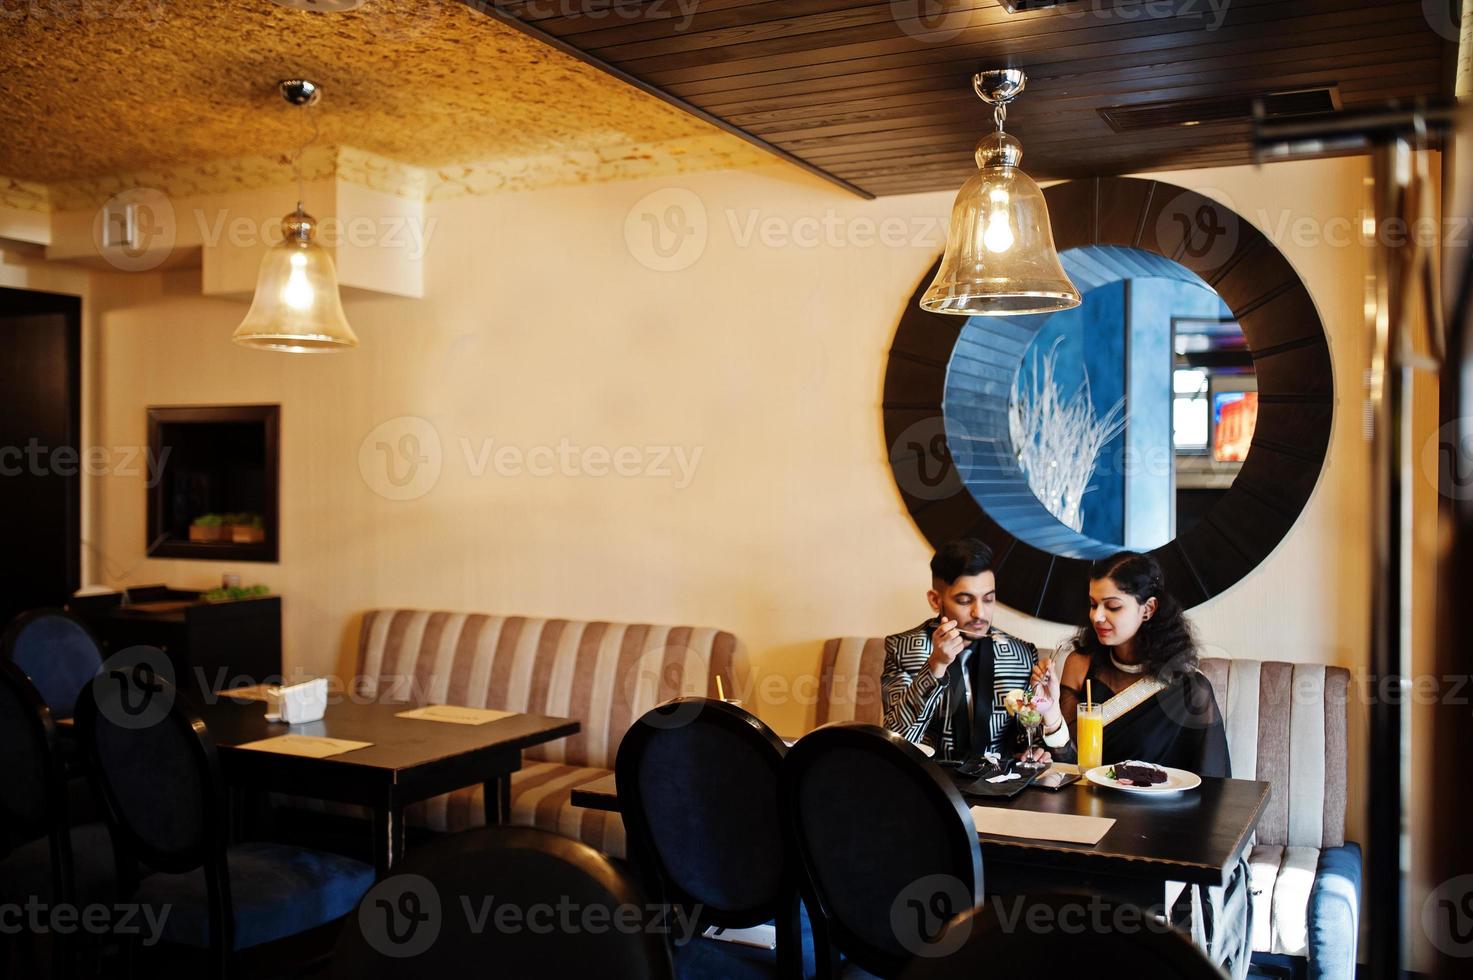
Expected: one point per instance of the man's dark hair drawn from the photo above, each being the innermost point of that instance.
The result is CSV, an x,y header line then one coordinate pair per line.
x,y
964,556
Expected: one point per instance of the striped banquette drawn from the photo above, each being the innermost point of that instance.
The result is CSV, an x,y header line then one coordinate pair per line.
x,y
604,674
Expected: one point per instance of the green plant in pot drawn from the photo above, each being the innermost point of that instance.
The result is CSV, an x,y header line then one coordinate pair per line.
x,y
245,528
208,527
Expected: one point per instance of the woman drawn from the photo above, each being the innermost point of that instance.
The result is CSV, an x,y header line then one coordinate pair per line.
x,y
1137,655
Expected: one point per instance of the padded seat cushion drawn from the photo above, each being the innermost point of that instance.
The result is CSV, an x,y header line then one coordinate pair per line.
x,y
1280,882
277,891
541,796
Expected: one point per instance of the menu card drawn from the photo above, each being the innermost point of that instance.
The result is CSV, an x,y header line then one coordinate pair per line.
x,y
308,746
1032,825
453,714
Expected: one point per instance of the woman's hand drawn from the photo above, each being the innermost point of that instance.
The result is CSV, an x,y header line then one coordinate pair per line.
x,y
1036,754
1046,680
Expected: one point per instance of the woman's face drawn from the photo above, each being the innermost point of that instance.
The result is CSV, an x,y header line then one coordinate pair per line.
x,y
1115,614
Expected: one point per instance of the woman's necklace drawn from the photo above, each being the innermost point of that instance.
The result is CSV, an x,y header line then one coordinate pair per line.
x,y
1126,668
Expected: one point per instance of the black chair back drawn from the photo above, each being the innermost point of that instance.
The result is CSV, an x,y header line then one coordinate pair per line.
x,y
155,766
507,902
887,844
698,789
1011,937
56,651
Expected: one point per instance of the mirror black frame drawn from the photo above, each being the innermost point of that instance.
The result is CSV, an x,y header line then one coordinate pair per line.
x,y
1296,397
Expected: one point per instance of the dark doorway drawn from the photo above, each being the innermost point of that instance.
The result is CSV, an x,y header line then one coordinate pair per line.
x,y
40,449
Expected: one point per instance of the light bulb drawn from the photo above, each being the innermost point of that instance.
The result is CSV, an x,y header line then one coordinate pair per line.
x,y
298,292
999,235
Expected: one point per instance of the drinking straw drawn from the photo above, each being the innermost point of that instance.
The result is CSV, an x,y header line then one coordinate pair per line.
x,y
1089,696
720,693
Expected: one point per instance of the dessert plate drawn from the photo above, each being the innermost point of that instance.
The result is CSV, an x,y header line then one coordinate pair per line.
x,y
1177,781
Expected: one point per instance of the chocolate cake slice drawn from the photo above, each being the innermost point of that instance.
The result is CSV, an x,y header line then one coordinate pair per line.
x,y
1139,774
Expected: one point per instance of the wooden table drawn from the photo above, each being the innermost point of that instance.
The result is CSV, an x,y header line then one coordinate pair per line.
x,y
410,760
1194,837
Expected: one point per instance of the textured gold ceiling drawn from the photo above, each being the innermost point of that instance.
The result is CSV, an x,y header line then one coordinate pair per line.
x,y
93,87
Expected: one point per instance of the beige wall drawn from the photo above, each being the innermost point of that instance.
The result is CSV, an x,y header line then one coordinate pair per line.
x,y
766,356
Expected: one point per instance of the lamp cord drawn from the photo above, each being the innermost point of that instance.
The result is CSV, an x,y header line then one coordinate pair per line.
x,y
1000,114
297,158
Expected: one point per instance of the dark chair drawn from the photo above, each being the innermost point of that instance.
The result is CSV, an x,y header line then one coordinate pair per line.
x,y
56,651
1013,937
506,902
159,776
887,845
698,790
54,863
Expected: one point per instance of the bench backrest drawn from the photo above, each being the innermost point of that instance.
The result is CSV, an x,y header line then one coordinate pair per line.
x,y
1286,725
604,674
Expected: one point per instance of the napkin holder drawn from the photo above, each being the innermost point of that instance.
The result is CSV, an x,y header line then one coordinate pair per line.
x,y
296,704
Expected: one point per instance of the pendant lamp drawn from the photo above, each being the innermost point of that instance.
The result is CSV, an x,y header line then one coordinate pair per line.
x,y
1000,258
296,307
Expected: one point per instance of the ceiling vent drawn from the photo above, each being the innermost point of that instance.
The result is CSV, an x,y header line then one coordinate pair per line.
x,y
1014,6
1226,109
321,6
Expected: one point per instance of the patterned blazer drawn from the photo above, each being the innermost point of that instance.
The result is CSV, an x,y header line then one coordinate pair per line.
x,y
918,706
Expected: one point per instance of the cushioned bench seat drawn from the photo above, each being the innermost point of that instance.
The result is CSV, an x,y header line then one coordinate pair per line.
x,y
604,674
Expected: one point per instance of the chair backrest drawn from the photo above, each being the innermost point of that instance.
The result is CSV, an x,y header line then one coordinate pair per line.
x,y
30,767
503,901
1011,937
56,651
887,845
849,680
604,674
155,767
1286,725
698,790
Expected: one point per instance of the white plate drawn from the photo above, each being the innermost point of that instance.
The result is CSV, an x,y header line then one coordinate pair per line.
x,y
1177,781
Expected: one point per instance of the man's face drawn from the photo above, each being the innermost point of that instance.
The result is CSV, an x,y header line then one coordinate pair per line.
x,y
970,601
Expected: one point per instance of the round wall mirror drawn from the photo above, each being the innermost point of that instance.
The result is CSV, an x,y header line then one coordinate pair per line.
x,y
1182,409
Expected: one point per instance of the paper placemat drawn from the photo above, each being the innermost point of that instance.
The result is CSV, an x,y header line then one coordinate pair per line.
x,y
1032,825
454,714
309,746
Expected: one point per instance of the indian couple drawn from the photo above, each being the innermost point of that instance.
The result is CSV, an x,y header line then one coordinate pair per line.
x,y
946,682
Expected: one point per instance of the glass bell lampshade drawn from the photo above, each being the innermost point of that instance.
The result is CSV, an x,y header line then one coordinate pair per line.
x,y
296,307
1000,258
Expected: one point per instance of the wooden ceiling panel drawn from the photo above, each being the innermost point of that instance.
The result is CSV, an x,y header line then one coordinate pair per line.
x,y
881,102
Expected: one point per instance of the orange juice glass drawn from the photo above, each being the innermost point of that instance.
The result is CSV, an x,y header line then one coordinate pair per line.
x,y
1090,732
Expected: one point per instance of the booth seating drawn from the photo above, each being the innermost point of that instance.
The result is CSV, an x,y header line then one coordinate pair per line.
x,y
606,675
1286,725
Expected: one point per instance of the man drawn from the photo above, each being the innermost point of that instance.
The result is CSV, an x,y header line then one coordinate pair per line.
x,y
933,673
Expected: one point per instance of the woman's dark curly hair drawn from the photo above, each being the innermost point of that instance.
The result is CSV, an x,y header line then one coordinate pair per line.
x,y
1166,643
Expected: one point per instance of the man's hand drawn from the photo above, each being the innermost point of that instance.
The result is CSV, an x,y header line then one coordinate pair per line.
x,y
947,643
1046,680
